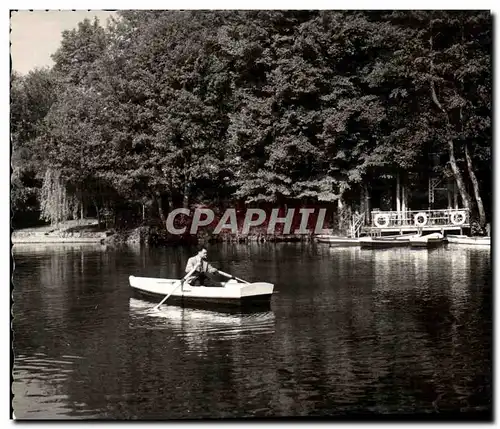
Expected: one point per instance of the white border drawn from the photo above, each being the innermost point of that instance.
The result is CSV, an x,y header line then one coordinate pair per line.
x,y
145,4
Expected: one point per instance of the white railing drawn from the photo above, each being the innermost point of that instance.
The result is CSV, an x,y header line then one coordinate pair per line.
x,y
420,218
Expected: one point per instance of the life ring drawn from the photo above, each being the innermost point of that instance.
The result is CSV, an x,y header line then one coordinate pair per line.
x,y
420,222
461,218
377,219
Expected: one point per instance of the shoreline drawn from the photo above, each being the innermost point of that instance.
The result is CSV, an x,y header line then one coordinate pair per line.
x,y
123,240
88,233
55,240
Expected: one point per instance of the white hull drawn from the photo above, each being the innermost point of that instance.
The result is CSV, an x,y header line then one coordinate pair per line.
x,y
333,239
430,240
387,241
232,292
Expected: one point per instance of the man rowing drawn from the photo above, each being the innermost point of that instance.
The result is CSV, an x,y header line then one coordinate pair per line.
x,y
203,268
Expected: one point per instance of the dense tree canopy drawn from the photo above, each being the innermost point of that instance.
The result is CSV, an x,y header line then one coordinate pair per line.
x,y
164,109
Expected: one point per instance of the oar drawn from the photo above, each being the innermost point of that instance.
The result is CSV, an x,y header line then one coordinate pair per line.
x,y
229,275
175,288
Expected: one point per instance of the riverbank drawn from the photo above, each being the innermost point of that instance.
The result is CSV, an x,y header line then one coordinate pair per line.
x,y
74,231
88,231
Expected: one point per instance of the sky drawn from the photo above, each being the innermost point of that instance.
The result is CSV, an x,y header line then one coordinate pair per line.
x,y
36,35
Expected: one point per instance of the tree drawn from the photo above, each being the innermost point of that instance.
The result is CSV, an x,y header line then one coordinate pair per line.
x,y
174,108
31,98
448,60
80,48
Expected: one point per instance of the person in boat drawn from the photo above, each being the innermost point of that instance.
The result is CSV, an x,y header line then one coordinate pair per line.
x,y
203,269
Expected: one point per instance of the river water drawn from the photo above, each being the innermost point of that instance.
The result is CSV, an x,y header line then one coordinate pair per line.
x,y
350,332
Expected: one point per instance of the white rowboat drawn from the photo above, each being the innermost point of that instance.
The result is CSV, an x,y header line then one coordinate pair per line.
x,y
231,293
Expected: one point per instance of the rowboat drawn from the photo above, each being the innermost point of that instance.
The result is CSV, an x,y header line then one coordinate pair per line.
x,y
464,239
384,242
231,293
337,240
430,240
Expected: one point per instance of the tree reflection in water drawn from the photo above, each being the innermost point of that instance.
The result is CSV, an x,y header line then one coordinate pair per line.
x,y
350,331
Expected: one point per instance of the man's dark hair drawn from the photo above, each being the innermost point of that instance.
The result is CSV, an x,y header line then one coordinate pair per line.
x,y
200,248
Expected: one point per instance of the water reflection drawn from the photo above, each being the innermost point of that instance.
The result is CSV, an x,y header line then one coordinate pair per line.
x,y
197,327
350,331
43,248
427,295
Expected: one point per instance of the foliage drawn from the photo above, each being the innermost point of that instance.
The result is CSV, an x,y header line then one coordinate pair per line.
x,y
56,204
185,107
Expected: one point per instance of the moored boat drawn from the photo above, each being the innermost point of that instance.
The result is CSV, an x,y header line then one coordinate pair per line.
x,y
231,293
464,239
384,242
337,240
430,240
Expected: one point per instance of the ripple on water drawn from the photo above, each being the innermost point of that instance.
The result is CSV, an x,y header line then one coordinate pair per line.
x,y
38,381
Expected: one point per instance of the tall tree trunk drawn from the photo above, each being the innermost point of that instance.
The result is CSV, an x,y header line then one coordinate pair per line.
x,y
475,184
404,197
398,196
458,176
450,194
455,195
161,213
365,195
186,196
340,214
80,197
453,162
472,174
97,214
170,202
187,186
